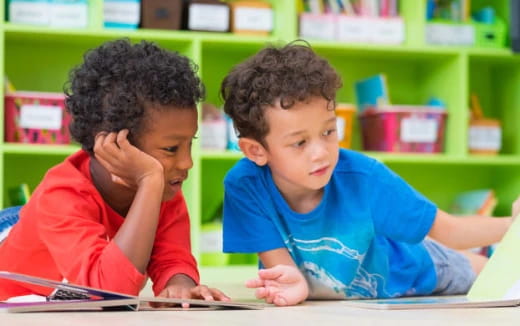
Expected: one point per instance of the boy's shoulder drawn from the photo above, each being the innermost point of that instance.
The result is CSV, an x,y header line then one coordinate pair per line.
x,y
244,168
353,162
72,172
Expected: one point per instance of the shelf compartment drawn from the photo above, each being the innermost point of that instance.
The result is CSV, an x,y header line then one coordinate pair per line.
x,y
26,167
495,80
413,77
57,52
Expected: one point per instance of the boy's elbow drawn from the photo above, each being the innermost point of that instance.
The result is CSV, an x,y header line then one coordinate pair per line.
x,y
444,230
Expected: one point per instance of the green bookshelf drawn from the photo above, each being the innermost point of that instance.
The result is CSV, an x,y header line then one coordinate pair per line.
x,y
38,59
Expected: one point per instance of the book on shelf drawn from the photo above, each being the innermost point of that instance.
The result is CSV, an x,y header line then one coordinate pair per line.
x,y
19,195
371,92
479,202
497,285
514,26
71,297
476,202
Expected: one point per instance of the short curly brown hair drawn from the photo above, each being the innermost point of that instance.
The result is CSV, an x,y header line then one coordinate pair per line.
x,y
287,75
119,81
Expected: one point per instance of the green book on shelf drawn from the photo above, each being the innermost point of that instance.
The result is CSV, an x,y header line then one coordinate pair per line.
x,y
19,195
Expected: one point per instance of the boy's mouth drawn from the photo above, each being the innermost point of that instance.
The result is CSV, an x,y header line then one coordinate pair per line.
x,y
320,171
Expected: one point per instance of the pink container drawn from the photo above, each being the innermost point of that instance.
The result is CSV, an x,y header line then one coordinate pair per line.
x,y
37,118
401,128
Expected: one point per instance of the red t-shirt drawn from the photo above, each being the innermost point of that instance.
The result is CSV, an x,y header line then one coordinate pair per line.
x,y
66,229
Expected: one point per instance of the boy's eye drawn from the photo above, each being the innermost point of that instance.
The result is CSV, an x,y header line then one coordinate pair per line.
x,y
329,132
299,143
171,149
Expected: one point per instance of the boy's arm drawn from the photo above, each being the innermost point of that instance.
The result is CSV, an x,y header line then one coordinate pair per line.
x,y
468,231
281,282
137,170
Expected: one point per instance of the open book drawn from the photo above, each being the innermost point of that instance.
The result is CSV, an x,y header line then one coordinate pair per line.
x,y
498,285
67,297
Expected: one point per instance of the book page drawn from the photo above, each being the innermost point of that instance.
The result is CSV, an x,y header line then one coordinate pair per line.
x,y
501,276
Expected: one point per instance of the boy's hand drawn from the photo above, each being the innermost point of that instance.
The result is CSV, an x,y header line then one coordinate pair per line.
x,y
181,286
282,285
127,164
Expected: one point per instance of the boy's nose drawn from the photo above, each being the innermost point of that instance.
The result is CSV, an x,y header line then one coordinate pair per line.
x,y
318,151
185,161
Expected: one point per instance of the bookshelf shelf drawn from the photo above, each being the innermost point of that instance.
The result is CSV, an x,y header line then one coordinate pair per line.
x,y
30,149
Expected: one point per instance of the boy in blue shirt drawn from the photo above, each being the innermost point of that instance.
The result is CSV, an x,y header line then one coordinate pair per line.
x,y
330,223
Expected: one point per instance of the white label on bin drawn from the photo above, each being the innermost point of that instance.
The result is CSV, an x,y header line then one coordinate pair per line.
x,y
340,124
388,31
213,134
354,29
415,130
208,17
69,15
485,138
450,34
211,241
124,12
41,117
320,27
33,13
253,19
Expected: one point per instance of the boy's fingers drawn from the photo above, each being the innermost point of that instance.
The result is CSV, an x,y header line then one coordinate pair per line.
x,y
110,138
99,140
120,181
254,283
271,273
109,145
280,301
185,294
219,295
122,138
205,293
261,293
100,137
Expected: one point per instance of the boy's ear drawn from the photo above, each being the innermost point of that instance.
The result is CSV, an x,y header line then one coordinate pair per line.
x,y
253,150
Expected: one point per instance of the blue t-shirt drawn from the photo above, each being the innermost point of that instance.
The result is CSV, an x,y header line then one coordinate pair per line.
x,y
364,239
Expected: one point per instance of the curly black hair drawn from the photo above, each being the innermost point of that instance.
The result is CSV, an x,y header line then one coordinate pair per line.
x,y
116,83
285,76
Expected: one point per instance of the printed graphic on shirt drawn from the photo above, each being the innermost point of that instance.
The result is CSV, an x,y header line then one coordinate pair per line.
x,y
322,283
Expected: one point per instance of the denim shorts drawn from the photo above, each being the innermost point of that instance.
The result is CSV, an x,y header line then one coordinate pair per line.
x,y
454,272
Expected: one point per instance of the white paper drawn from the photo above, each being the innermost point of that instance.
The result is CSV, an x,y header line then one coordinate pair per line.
x,y
32,13
253,19
69,15
340,125
208,17
316,27
124,12
41,117
485,138
416,130
27,298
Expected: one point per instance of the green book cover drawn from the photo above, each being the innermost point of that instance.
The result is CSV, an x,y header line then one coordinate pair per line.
x,y
500,278
19,195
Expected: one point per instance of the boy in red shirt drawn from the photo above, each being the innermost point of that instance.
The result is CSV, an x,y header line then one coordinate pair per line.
x,y
113,213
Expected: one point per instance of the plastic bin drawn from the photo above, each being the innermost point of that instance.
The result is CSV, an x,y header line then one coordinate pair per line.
x,y
36,117
345,120
418,129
